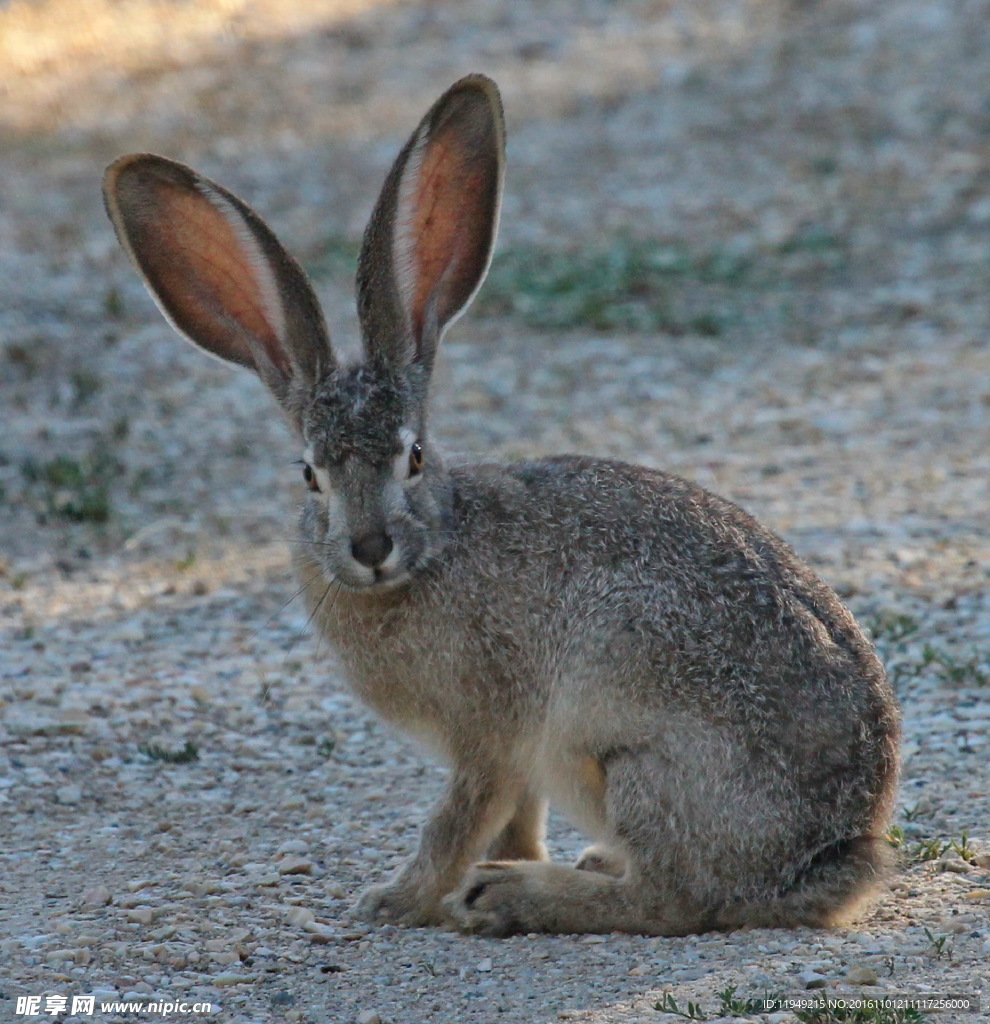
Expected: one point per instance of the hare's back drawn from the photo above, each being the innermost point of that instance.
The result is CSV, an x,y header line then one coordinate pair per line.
x,y
655,573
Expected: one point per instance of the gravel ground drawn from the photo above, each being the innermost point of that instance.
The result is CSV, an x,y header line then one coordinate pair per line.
x,y
836,384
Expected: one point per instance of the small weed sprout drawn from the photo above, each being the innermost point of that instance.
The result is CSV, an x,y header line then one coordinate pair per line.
x,y
930,849
730,1005
962,847
186,754
669,1005
915,812
939,945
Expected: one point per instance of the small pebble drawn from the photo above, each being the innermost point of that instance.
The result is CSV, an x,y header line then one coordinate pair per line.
x,y
951,861
860,974
98,896
293,865
228,978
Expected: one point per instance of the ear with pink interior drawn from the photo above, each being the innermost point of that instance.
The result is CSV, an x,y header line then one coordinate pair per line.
x,y
217,271
429,242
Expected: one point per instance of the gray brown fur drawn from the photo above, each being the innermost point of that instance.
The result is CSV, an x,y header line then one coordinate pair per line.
x,y
612,639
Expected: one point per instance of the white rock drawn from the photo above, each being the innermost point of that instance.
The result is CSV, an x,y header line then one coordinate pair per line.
x,y
69,795
369,1017
484,965
300,916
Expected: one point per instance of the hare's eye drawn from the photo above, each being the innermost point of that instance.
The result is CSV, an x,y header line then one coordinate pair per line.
x,y
415,458
310,477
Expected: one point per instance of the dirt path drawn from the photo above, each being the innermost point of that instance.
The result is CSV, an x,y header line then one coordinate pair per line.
x,y
745,241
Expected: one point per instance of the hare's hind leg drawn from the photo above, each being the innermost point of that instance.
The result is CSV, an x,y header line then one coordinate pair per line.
x,y
522,837
607,890
508,897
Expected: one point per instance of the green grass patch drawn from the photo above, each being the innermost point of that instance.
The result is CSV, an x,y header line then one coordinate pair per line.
x,y
76,489
948,668
625,284
889,628
628,286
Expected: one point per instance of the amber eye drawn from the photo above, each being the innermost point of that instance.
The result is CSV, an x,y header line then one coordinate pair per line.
x,y
415,458
310,477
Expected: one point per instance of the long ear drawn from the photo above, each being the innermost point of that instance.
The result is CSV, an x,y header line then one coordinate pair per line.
x,y
429,241
216,270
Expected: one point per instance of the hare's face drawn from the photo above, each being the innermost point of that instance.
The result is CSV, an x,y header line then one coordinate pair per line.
x,y
379,510
375,513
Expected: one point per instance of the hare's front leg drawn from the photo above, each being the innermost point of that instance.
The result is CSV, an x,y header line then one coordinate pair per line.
x,y
522,837
476,807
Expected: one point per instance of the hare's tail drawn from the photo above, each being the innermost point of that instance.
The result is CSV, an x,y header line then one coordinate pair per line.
x,y
829,891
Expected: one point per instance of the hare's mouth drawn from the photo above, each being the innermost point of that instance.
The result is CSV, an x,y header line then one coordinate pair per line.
x,y
372,580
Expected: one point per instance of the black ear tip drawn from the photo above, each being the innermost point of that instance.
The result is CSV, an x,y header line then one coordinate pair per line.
x,y
129,177
475,87
479,82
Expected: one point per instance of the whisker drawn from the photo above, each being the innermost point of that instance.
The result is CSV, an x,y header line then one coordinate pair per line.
x,y
312,616
322,633
281,608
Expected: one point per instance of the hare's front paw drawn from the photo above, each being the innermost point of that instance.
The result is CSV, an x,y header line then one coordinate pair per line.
x,y
398,904
492,900
603,860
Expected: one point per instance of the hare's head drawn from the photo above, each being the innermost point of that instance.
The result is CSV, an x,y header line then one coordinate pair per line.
x,y
379,495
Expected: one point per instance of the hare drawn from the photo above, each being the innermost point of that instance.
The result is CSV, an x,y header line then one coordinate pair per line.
x,y
610,638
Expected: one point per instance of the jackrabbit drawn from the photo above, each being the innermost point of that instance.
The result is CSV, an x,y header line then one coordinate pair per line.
x,y
611,638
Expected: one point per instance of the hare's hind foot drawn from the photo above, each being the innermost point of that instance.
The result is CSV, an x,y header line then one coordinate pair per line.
x,y
507,898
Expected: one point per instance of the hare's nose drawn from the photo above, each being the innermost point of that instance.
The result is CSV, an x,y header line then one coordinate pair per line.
x,y
372,549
